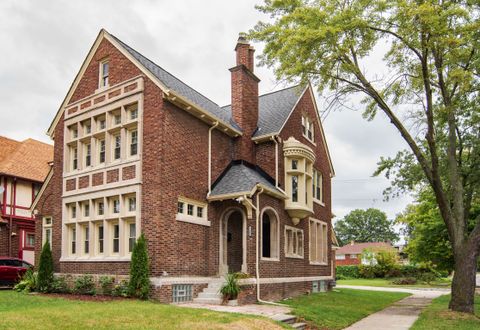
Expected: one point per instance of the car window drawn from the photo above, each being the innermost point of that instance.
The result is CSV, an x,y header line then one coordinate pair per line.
x,y
2,262
26,264
17,263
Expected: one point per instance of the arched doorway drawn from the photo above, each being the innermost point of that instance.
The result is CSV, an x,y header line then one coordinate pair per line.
x,y
233,240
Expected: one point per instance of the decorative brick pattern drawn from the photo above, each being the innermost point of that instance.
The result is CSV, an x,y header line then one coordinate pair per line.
x,y
71,184
130,87
99,99
97,179
128,172
112,176
83,182
85,105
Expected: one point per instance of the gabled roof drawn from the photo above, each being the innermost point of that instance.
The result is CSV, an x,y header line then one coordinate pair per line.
x,y
357,248
274,109
241,178
27,159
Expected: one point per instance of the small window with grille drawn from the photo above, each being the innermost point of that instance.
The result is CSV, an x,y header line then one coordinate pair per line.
x,y
182,292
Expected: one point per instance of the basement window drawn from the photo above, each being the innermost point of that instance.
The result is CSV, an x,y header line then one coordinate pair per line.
x,y
182,292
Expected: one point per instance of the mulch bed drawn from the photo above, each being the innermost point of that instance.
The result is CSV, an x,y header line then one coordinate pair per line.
x,y
83,297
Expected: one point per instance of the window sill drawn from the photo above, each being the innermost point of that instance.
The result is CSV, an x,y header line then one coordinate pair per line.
x,y
269,259
293,256
190,219
319,202
318,263
311,141
95,259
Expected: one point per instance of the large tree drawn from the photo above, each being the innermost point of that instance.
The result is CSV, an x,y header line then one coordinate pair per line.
x,y
429,92
370,225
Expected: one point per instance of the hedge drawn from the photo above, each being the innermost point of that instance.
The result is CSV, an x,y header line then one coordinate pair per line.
x,y
344,272
375,271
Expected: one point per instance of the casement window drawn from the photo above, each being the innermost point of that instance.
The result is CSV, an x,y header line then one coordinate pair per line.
x,y
132,204
308,128
293,242
74,158
317,187
133,112
117,146
294,188
340,257
100,237
87,127
101,151
133,142
117,119
192,211
116,206
101,123
269,234
47,231
73,210
101,208
86,239
318,242
104,71
86,209
88,155
30,240
116,238
74,131
73,240
132,236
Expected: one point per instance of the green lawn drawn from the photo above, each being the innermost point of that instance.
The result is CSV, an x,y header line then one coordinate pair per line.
x,y
22,311
438,317
341,307
381,282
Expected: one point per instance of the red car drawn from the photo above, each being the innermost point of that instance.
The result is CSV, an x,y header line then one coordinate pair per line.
x,y
12,269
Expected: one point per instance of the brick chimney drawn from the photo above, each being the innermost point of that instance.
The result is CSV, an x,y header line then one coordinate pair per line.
x,y
245,99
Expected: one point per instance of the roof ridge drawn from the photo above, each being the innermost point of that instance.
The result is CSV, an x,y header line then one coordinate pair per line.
x,y
166,71
269,93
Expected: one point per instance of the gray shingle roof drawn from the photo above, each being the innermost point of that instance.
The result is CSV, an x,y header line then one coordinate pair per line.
x,y
178,86
274,109
239,178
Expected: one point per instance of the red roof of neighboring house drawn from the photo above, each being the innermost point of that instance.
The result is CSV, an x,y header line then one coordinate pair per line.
x,y
28,159
357,248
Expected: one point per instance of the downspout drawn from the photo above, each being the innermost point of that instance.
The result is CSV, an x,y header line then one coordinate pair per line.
x,y
12,191
215,124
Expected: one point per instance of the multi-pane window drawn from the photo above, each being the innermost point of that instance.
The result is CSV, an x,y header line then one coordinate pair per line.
x,y
117,147
74,211
73,240
74,131
133,113
116,238
116,206
100,239
317,186
102,124
86,209
318,241
180,207
132,236
102,152
47,231
104,71
88,128
74,158
133,143
293,242
132,204
88,154
101,208
86,239
294,188
200,212
117,119
191,211
307,128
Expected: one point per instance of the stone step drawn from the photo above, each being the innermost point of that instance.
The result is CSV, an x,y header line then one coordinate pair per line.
x,y
285,318
209,295
212,290
210,301
299,325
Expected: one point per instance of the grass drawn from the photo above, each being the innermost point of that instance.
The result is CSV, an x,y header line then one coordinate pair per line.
x,y
437,316
22,311
381,282
341,307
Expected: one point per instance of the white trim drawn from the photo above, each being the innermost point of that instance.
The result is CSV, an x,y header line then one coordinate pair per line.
x,y
273,280
167,280
270,209
196,221
325,243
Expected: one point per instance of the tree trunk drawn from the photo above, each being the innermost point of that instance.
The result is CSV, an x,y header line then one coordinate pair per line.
x,y
464,280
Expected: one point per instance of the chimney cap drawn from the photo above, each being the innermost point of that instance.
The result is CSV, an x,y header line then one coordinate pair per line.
x,y
242,38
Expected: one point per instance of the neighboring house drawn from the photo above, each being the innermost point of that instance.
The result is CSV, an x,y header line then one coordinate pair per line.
x,y
351,254
139,151
24,165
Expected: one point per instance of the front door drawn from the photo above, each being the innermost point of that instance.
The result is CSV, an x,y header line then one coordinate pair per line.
x,y
233,243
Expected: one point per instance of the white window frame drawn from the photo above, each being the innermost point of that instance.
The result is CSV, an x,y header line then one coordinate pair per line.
x,y
340,257
47,227
103,79
318,242
299,248
308,127
185,217
274,241
317,176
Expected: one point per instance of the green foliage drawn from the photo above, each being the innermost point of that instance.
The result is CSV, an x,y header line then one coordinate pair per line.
x,y
139,285
59,285
345,272
45,269
405,281
369,225
121,289
28,283
84,285
230,289
106,283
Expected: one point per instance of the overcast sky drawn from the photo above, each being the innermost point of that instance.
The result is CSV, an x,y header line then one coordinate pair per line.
x,y
45,42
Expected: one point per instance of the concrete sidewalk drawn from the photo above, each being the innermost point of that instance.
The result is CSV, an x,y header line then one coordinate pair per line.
x,y
402,314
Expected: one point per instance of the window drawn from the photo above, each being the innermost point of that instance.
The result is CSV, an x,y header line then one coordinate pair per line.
x,y
74,158
192,211
36,189
104,68
270,241
182,292
73,240
116,238
317,186
294,188
102,151
294,164
101,124
340,257
133,143
180,207
199,212
132,236
318,242
30,240
117,147
86,239
100,239
116,206
293,242
133,112
132,204
88,128
88,154
117,119
74,211
86,209
101,208
74,131
307,128
47,231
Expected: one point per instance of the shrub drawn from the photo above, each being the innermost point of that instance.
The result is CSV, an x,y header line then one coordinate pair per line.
x,y
28,282
394,272
405,281
139,285
121,289
106,283
85,285
347,272
45,269
386,261
231,288
59,285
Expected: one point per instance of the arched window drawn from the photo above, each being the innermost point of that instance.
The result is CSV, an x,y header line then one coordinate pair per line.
x,y
270,239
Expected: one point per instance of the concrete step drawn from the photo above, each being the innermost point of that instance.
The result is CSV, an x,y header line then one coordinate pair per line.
x,y
209,295
285,318
210,301
211,290
299,325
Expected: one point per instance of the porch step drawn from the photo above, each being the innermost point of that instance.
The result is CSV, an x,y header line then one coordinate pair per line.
x,y
211,294
299,325
209,301
285,318
208,295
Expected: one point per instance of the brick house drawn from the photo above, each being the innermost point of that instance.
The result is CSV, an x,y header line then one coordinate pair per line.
x,y
24,165
139,151
351,254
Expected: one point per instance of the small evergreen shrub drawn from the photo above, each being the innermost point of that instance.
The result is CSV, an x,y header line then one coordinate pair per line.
x,y
28,282
85,285
121,289
139,285
45,269
106,283
345,272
